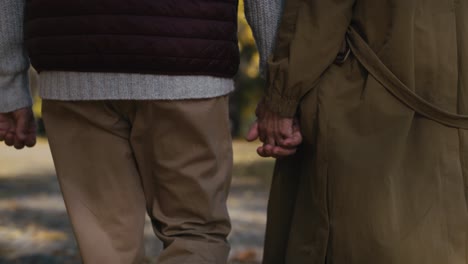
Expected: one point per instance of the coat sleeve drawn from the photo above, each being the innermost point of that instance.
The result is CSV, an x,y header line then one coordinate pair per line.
x,y
14,62
310,36
263,17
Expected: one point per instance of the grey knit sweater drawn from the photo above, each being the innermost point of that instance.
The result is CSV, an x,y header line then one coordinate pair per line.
x,y
263,17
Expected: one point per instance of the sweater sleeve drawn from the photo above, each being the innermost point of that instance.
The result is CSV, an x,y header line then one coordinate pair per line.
x,y
14,62
310,36
263,17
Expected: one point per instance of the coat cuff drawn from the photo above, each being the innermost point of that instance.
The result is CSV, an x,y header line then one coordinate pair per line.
x,y
285,107
277,98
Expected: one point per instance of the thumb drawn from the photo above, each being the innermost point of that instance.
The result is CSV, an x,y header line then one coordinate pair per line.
x,y
296,136
253,132
295,140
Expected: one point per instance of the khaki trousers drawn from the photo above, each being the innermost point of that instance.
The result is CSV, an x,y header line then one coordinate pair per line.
x,y
116,160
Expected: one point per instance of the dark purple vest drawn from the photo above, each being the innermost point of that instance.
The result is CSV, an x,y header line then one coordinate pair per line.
x,y
175,37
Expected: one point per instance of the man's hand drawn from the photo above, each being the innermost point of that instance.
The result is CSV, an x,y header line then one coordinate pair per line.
x,y
280,136
18,128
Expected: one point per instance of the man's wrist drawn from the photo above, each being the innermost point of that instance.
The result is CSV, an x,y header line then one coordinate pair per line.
x,y
5,109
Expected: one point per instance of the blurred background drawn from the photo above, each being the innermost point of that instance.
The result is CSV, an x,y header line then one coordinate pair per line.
x,y
34,227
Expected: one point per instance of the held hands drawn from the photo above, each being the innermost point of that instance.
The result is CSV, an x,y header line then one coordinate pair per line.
x,y
280,136
18,128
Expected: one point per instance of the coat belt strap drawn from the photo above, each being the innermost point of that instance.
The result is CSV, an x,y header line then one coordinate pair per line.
x,y
367,57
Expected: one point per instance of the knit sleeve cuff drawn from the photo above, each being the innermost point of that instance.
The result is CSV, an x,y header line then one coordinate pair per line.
x,y
278,97
285,107
15,93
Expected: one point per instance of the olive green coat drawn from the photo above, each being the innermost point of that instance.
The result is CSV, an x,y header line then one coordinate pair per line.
x,y
382,174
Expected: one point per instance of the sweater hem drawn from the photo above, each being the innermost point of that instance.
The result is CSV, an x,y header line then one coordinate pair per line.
x,y
77,86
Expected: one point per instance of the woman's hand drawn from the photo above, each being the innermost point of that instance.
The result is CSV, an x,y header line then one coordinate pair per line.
x,y
281,136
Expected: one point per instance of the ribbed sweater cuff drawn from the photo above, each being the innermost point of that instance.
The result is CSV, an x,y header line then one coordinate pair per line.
x,y
15,92
285,107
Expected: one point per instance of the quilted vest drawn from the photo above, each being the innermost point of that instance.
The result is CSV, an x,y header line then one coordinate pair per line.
x,y
173,37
